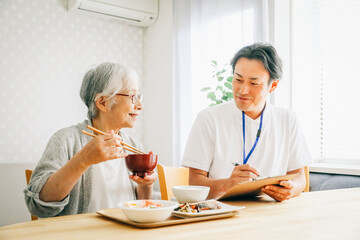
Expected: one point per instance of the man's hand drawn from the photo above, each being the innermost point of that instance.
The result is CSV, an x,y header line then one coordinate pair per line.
x,y
287,189
280,193
243,173
240,173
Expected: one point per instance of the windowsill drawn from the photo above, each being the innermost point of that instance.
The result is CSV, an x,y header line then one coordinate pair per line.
x,y
335,168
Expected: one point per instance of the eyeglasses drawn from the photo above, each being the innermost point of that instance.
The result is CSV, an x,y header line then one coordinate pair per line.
x,y
134,98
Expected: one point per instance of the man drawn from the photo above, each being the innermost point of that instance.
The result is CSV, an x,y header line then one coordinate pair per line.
x,y
249,132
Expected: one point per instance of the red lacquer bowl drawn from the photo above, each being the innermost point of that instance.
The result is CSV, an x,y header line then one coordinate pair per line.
x,y
141,164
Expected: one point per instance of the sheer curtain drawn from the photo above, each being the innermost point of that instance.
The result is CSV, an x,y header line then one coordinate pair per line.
x,y
207,30
325,76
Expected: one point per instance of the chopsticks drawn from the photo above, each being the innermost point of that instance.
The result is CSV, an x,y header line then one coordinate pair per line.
x,y
125,146
87,133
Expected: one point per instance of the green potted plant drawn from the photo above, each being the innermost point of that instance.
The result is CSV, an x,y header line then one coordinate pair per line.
x,y
222,91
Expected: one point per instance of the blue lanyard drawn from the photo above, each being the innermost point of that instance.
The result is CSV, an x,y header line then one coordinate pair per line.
x,y
245,160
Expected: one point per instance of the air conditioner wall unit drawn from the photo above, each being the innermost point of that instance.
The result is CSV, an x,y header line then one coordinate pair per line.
x,y
136,12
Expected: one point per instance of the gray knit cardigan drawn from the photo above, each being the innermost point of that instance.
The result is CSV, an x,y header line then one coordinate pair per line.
x,y
62,146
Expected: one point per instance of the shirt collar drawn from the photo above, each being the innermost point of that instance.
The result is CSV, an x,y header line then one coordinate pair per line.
x,y
238,114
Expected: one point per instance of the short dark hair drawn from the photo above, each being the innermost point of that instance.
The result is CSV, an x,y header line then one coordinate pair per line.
x,y
265,53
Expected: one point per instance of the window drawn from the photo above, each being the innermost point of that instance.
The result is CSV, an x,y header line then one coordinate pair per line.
x,y
220,29
325,77
205,31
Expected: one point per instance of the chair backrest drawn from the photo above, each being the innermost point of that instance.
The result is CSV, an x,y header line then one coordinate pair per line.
x,y
28,174
307,175
171,176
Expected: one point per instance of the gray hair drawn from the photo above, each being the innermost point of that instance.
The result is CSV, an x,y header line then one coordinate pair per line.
x,y
106,79
265,53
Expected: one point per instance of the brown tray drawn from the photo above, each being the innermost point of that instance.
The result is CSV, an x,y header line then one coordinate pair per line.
x,y
117,214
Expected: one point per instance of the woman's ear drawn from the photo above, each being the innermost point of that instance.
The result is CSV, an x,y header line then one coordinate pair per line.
x,y
273,85
102,103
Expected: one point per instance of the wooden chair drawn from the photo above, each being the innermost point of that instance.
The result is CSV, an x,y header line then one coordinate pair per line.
x,y
28,174
307,176
171,176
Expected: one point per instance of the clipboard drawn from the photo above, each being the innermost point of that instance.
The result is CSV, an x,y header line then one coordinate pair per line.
x,y
253,188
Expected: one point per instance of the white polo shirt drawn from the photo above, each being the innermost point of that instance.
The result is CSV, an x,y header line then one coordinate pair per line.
x,y
216,141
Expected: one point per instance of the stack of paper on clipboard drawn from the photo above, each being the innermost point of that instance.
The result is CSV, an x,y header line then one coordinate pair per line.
x,y
253,188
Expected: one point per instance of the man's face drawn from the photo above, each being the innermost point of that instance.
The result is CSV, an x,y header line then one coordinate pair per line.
x,y
251,86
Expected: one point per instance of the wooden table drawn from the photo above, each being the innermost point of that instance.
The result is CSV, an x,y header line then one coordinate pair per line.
x,y
333,214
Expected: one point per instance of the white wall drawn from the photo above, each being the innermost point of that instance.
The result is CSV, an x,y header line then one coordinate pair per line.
x,y
45,51
158,69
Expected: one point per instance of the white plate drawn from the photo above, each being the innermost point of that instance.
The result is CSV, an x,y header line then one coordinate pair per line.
x,y
225,208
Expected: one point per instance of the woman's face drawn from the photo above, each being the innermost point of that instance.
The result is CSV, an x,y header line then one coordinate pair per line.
x,y
123,113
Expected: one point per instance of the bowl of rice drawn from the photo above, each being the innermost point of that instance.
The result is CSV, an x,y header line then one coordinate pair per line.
x,y
190,194
145,211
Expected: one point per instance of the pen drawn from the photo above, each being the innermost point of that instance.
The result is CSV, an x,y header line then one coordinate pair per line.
x,y
236,164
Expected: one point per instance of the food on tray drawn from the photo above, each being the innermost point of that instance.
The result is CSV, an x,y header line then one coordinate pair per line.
x,y
199,206
144,204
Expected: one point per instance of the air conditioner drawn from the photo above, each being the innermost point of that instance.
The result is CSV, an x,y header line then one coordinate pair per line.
x,y
136,12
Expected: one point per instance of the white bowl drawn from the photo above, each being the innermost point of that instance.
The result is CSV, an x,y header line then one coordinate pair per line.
x,y
190,194
143,215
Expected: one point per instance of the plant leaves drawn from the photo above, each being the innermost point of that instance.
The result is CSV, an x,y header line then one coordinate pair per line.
x,y
229,95
221,93
219,87
228,85
205,89
211,96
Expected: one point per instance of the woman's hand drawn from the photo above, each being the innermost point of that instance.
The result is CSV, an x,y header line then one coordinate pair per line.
x,y
101,148
145,185
148,180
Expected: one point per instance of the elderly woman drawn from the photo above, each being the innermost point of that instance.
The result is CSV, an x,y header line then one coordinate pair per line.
x,y
80,174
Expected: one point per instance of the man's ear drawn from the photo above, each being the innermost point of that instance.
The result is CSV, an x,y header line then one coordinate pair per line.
x,y
102,104
273,85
